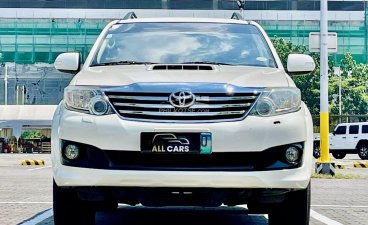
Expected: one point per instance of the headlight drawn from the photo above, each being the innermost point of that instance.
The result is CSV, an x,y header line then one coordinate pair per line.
x,y
86,99
276,101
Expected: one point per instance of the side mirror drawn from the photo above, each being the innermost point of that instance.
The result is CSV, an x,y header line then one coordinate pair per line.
x,y
68,62
300,64
333,132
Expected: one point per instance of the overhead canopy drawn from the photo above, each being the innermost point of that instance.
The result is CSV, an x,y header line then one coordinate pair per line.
x,y
18,117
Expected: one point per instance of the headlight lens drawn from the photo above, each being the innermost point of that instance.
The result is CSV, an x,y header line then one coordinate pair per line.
x,y
85,99
98,106
276,101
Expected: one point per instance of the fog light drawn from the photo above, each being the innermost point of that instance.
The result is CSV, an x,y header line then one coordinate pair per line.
x,y
292,155
98,106
71,151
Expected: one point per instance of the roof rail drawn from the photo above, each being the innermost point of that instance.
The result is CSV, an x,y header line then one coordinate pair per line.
x,y
237,16
130,15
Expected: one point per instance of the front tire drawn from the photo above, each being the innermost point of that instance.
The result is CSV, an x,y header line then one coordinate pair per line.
x,y
68,209
316,150
363,151
294,210
338,155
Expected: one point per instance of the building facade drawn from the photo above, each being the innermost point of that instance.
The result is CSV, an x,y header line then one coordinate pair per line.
x,y
34,32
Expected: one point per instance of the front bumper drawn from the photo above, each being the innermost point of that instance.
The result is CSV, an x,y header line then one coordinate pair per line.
x,y
254,134
72,176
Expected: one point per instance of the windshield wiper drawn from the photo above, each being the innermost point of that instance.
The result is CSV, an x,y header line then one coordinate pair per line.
x,y
208,62
122,63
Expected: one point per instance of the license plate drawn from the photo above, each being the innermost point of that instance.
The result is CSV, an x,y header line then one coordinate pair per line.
x,y
176,143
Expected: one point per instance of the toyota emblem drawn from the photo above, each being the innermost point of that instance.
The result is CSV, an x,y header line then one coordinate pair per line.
x,y
182,99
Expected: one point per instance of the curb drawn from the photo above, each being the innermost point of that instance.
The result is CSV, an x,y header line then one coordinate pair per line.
x,y
33,162
360,164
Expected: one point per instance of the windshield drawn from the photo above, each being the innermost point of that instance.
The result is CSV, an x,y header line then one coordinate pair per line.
x,y
178,43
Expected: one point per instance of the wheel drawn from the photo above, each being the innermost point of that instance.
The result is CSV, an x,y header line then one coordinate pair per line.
x,y
316,151
294,210
363,151
338,155
68,209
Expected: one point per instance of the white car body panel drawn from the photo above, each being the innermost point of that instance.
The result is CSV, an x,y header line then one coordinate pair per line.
x,y
243,76
338,141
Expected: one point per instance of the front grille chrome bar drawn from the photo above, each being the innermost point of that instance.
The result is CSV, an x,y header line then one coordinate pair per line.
x,y
200,98
192,114
227,98
140,98
195,106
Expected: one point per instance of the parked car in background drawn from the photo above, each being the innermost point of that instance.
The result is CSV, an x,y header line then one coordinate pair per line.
x,y
347,138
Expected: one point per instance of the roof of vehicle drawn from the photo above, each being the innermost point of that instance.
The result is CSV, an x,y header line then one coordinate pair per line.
x,y
184,19
356,123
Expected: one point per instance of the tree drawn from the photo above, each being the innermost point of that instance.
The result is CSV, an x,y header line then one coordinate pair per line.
x,y
354,87
30,134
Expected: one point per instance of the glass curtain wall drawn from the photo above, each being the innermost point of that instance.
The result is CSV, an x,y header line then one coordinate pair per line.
x,y
27,41
41,40
184,4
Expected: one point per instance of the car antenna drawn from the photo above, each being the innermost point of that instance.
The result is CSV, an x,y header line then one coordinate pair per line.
x,y
130,15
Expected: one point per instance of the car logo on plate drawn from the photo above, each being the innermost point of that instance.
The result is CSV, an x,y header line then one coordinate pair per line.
x,y
182,99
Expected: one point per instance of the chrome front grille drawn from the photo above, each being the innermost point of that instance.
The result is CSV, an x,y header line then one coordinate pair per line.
x,y
208,106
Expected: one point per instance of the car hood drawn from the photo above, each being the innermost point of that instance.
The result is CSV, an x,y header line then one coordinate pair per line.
x,y
243,76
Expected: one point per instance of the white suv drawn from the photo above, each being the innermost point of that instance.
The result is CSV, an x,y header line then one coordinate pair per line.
x,y
182,112
347,138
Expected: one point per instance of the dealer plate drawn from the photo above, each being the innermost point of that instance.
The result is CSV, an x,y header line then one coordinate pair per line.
x,y
176,143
